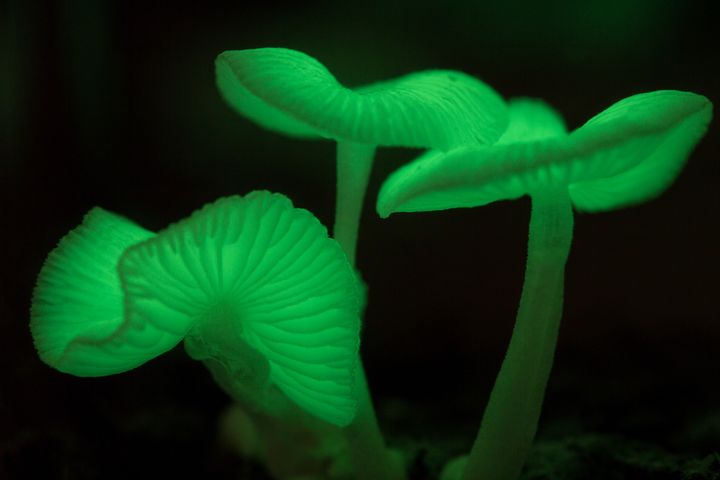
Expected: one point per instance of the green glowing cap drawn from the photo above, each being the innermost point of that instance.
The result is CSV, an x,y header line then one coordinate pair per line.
x,y
291,92
77,319
627,154
261,292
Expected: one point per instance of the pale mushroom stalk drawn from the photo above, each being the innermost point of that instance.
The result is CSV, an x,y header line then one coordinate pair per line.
x,y
354,164
368,451
512,413
365,439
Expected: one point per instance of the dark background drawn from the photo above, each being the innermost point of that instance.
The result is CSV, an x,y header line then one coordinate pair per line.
x,y
114,104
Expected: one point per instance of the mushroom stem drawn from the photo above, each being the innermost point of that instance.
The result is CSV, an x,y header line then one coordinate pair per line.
x,y
370,458
511,416
354,163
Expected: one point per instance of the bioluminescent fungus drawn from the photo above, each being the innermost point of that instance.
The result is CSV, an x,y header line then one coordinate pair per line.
x,y
253,286
626,155
290,92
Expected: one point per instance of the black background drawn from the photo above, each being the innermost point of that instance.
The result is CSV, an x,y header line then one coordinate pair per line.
x,y
114,104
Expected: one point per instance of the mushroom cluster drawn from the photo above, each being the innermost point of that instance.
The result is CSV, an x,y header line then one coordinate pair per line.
x,y
256,290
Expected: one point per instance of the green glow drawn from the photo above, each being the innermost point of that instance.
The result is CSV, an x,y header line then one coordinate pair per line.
x,y
291,92
254,286
511,416
627,154
658,131
254,274
77,318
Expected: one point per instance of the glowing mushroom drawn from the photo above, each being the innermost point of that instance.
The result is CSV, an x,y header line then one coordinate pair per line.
x,y
292,93
253,285
626,155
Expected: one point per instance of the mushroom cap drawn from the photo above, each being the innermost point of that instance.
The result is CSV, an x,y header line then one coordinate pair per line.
x,y
77,315
627,154
259,290
291,92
